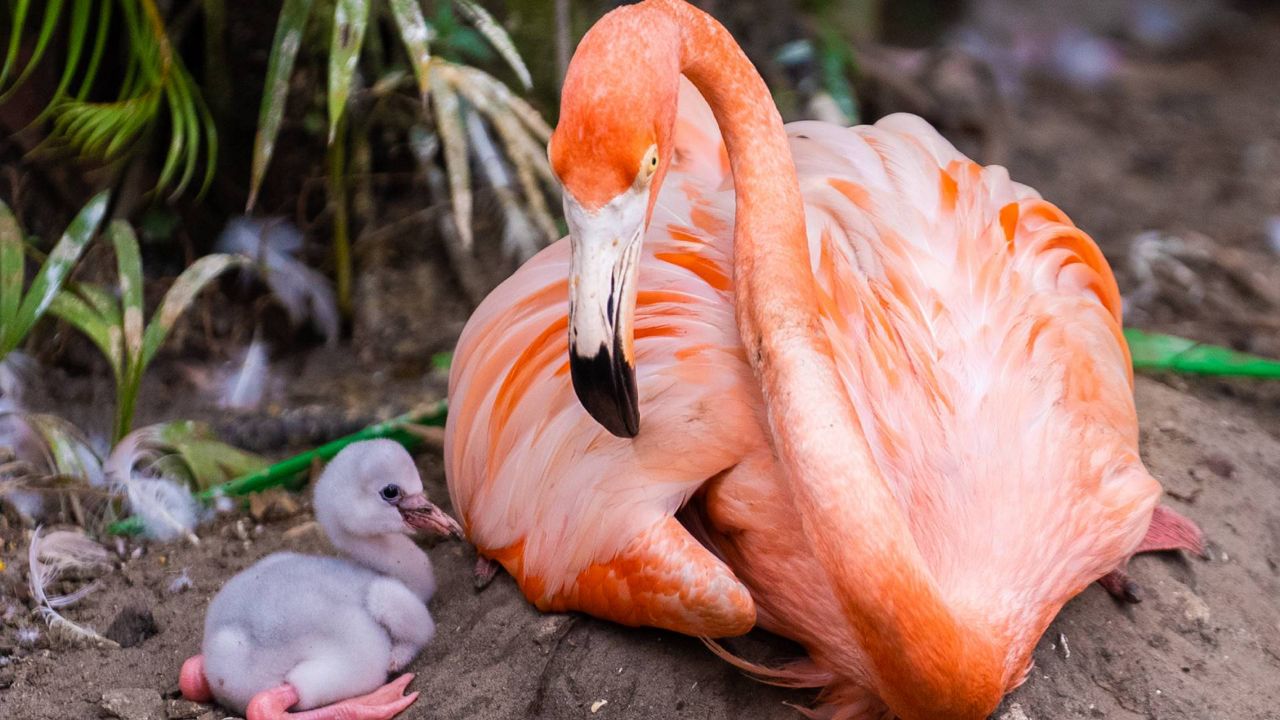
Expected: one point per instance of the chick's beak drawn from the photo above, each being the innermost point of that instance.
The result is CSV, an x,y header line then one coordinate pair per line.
x,y
425,516
602,301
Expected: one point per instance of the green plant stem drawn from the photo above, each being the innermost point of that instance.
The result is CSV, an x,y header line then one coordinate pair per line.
x,y
396,429
126,396
341,219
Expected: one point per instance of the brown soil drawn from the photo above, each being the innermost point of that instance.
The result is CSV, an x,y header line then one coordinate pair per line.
x,y
1185,143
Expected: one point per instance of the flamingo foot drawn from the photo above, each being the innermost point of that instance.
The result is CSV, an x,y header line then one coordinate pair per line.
x,y
486,570
1168,531
192,681
382,704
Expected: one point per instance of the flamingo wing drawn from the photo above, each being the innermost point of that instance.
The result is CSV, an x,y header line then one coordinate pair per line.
x,y
584,520
977,335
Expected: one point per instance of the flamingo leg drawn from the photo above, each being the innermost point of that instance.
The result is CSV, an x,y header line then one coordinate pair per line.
x,y
1168,531
192,681
486,570
382,704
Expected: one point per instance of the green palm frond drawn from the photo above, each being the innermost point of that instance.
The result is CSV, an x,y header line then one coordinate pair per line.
x,y
20,312
448,89
155,84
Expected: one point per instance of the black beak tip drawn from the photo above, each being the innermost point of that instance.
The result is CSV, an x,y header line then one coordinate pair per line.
x,y
606,386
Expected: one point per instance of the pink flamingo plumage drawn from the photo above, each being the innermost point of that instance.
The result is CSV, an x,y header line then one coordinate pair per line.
x,y
887,387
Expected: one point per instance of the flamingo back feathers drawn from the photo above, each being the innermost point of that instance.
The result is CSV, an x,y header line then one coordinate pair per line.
x,y
976,331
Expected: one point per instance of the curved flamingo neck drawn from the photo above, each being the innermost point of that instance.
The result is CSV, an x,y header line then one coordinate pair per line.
x,y
925,662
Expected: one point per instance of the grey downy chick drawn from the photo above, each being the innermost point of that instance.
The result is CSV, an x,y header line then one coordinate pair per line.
x,y
304,631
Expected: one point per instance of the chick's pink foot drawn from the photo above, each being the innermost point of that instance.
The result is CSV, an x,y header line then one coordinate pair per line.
x,y
192,682
382,704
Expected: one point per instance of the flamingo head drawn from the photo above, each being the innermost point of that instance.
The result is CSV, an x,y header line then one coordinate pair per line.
x,y
611,150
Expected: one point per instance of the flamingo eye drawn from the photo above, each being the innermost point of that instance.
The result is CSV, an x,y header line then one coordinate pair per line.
x,y
390,493
648,166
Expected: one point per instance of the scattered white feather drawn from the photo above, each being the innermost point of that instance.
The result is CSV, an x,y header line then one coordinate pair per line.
x,y
28,637
181,583
273,243
166,509
250,383
48,558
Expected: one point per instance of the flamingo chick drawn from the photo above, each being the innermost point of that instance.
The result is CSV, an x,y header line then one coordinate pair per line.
x,y
321,633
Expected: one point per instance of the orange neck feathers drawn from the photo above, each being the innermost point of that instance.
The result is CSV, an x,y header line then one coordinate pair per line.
x,y
621,92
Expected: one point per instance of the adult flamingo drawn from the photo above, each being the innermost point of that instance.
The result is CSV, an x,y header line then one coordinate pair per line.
x,y
913,446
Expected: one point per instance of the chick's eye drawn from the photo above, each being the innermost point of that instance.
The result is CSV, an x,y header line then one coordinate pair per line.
x,y
390,493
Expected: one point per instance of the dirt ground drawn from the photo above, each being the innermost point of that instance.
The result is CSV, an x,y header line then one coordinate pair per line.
x,y
1182,143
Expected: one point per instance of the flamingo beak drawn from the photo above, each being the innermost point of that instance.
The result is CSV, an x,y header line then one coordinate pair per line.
x,y
423,515
602,303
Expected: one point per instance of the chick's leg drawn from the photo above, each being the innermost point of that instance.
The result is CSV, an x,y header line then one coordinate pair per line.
x,y
192,680
382,704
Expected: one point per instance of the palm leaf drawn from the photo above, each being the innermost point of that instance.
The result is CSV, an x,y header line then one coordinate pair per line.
x,y
179,298
12,274
155,81
19,20
67,451
453,140
207,460
99,46
350,20
498,95
497,36
415,34
56,268
129,276
79,29
1154,351
73,310
284,50
103,301
53,10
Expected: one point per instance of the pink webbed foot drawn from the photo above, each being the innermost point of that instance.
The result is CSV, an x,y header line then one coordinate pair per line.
x,y
192,682
1168,531
486,570
382,704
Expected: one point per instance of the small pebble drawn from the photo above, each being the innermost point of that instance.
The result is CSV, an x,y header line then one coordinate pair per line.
x,y
133,704
595,706
183,709
271,505
297,531
1015,712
